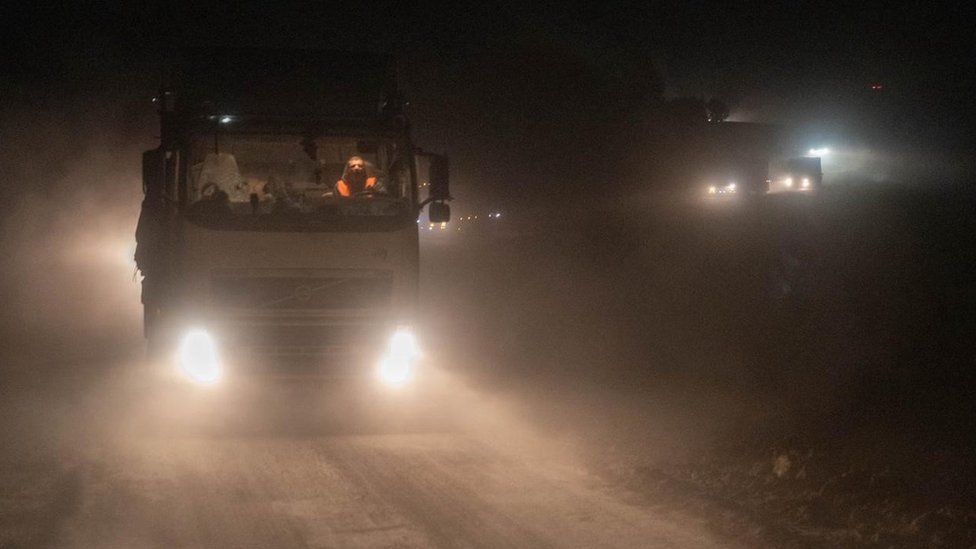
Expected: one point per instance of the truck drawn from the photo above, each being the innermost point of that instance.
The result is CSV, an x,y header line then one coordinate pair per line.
x,y
252,262
727,177
734,159
800,174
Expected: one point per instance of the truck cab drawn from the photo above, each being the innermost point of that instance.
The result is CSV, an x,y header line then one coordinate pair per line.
x,y
253,261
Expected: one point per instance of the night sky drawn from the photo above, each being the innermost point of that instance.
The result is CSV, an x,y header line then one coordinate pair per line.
x,y
500,87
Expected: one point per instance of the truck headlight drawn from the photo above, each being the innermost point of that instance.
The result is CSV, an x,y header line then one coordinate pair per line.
x,y
198,357
397,364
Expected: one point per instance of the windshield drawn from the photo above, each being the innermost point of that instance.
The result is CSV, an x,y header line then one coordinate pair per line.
x,y
288,181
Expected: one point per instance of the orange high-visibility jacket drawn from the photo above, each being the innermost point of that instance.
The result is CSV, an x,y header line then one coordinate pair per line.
x,y
343,189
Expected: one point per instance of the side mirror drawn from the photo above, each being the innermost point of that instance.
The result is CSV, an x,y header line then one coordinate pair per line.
x,y
440,191
439,180
154,174
439,212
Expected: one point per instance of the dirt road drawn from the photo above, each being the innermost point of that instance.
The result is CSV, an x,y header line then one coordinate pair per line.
x,y
352,491
121,486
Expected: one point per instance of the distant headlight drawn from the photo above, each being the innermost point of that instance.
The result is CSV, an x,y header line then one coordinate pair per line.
x,y
712,189
396,366
198,357
731,187
805,183
788,182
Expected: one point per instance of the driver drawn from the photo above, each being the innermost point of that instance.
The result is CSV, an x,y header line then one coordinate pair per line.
x,y
354,179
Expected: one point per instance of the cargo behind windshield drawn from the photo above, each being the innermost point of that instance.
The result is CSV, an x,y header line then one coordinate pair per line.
x,y
268,181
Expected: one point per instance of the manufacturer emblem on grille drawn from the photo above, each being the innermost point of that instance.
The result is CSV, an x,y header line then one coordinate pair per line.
x,y
303,293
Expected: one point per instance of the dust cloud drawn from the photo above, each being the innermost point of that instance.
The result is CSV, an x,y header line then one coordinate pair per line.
x,y
72,198
633,330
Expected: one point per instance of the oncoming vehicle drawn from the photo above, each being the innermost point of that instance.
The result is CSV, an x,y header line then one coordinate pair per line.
x,y
253,263
733,160
798,175
735,177
729,189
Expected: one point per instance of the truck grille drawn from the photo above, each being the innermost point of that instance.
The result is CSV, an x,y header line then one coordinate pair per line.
x,y
310,336
306,349
302,293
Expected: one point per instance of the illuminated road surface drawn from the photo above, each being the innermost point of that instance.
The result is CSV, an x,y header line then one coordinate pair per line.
x,y
370,491
456,489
